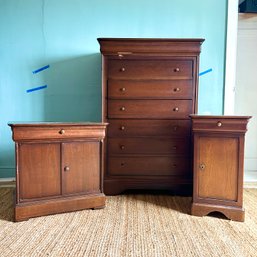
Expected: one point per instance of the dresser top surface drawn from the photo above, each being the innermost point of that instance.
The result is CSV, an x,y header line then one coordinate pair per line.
x,y
209,117
151,39
54,124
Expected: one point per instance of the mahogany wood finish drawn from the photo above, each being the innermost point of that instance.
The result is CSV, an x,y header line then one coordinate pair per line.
x,y
218,165
59,167
149,88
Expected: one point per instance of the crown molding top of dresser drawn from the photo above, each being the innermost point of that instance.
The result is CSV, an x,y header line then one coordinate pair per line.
x,y
124,46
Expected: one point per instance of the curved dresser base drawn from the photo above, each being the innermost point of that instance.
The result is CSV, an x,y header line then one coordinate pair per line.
x,y
232,213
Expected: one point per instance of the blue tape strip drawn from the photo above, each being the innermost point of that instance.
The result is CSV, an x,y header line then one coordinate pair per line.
x,y
36,88
40,69
204,72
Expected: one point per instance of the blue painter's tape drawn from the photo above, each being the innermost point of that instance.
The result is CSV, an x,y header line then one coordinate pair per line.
x,y
40,69
36,88
204,72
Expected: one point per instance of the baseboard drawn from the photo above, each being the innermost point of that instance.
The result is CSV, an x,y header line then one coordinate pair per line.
x,y
7,182
250,179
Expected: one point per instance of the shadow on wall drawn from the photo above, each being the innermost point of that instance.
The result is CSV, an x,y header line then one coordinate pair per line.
x,y
73,90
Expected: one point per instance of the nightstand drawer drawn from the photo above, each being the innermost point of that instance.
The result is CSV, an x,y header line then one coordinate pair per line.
x,y
148,166
150,69
153,128
56,132
151,89
218,123
172,109
148,145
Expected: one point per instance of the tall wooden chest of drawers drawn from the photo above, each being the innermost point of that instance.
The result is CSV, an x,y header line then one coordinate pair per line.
x,y
149,88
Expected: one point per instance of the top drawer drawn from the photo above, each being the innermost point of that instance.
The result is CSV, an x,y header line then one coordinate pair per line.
x,y
150,69
202,123
26,133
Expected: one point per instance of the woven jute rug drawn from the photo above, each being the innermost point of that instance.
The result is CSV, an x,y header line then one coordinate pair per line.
x,y
135,225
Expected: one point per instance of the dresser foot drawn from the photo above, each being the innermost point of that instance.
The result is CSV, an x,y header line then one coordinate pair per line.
x,y
231,212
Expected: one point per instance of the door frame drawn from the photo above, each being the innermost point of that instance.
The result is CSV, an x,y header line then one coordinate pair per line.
x,y
231,52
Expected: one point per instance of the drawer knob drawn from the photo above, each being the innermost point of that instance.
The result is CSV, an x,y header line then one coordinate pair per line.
x,y
123,89
122,147
122,164
219,124
175,128
177,89
202,166
174,147
122,69
122,108
176,70
62,131
122,128
66,168
175,109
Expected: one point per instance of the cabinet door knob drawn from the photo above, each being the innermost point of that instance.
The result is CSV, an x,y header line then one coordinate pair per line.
x,y
175,109
202,166
122,147
219,124
122,69
176,89
122,108
123,89
122,128
176,70
66,168
62,131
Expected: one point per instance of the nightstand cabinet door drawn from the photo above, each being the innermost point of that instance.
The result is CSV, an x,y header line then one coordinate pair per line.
x,y
81,167
39,170
218,167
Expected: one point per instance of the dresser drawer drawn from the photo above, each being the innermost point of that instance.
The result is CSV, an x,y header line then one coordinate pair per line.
x,y
153,128
148,145
148,166
218,123
150,89
56,132
150,69
171,109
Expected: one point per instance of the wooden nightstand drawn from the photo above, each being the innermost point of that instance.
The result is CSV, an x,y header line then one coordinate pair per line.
x,y
58,167
219,165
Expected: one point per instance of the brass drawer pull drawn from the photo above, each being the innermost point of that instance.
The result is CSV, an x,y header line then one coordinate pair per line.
x,y
177,89
175,109
122,128
122,147
202,166
122,69
122,108
176,70
123,89
219,124
66,168
62,131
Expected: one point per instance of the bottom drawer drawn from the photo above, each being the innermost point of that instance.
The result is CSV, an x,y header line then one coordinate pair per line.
x,y
149,165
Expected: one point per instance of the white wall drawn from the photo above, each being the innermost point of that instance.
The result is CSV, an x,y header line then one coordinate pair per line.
x,y
246,87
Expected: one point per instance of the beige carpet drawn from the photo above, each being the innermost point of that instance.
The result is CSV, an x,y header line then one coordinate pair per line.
x,y
130,225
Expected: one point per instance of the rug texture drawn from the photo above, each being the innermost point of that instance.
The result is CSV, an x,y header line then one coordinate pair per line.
x,y
135,225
